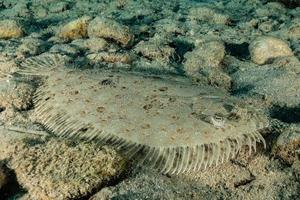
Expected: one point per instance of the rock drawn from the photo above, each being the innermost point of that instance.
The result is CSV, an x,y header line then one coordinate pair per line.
x,y
296,166
204,63
287,146
40,12
155,55
65,49
266,26
58,6
92,44
209,15
10,140
143,64
10,29
107,57
75,29
110,29
16,10
60,169
156,48
18,96
169,26
7,66
209,54
271,9
265,48
32,46
294,29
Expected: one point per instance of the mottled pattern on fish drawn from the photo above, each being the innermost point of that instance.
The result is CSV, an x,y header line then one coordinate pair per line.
x,y
163,122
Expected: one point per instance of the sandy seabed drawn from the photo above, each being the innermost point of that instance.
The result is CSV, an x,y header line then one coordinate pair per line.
x,y
250,49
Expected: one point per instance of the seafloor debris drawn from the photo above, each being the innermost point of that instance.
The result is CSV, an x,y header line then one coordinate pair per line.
x,y
164,122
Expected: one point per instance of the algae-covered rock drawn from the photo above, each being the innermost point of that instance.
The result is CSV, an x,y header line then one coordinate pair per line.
x,y
65,49
7,66
271,9
294,29
17,96
58,6
92,44
156,49
107,57
209,54
264,49
287,146
209,15
204,63
32,46
10,29
75,29
64,170
110,29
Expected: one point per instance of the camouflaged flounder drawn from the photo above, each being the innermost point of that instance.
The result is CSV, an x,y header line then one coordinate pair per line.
x,y
164,122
